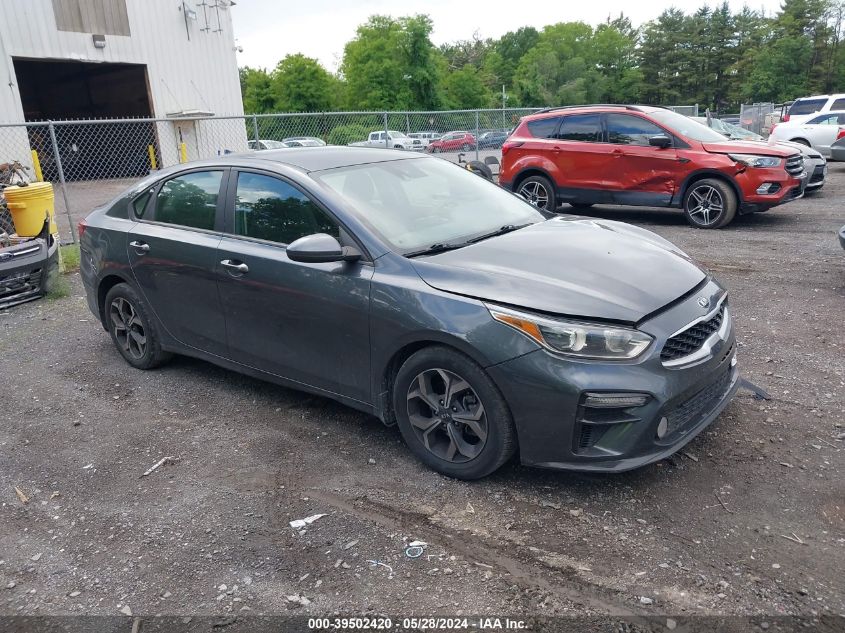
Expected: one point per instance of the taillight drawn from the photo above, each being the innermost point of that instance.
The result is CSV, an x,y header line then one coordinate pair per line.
x,y
80,229
508,145
786,117
841,133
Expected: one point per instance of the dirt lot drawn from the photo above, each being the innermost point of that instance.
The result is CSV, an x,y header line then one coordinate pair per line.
x,y
749,519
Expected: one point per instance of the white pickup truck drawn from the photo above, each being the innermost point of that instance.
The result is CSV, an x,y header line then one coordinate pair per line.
x,y
391,139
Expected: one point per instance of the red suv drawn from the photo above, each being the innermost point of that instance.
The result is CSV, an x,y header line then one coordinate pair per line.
x,y
452,142
645,156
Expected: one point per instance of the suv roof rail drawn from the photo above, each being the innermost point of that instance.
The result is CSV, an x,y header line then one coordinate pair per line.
x,y
591,105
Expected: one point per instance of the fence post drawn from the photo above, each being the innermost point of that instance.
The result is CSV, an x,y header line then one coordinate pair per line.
x,y
386,140
255,127
61,173
476,135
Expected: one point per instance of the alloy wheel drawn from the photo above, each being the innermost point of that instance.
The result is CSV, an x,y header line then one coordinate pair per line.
x,y
535,193
128,328
705,205
447,415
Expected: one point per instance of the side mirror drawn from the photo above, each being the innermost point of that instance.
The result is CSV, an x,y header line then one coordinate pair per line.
x,y
321,248
660,140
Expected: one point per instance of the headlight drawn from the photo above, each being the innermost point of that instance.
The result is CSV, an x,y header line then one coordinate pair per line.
x,y
752,160
582,340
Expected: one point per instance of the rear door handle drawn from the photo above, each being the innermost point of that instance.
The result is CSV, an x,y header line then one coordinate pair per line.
x,y
142,247
239,266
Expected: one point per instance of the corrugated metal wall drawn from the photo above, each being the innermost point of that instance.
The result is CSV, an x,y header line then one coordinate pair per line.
x,y
190,67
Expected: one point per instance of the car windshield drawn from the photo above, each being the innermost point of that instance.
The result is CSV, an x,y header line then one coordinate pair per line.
x,y
274,144
738,132
416,204
685,126
395,134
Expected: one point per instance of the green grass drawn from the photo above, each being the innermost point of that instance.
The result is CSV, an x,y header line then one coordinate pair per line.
x,y
70,257
59,288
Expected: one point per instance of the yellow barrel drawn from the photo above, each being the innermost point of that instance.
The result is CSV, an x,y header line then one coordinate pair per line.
x,y
29,205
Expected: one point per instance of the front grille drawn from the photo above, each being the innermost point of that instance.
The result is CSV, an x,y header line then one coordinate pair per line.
x,y
690,340
794,165
17,285
696,407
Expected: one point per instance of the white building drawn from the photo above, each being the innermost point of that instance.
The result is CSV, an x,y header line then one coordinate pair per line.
x,y
108,59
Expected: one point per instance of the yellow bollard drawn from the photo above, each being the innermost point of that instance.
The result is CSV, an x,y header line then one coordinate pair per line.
x,y
36,165
152,154
183,153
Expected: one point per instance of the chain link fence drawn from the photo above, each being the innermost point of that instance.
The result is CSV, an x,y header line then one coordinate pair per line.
x,y
91,162
757,117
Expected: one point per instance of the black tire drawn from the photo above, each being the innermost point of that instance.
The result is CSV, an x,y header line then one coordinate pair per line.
x,y
485,441
710,204
580,205
129,323
481,169
530,189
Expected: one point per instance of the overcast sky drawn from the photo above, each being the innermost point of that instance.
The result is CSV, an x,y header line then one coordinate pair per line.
x,y
270,29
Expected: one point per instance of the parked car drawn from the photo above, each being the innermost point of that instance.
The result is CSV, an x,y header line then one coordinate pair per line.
x,y
645,156
803,109
264,144
369,276
425,137
819,132
842,237
814,163
391,138
492,139
452,142
304,141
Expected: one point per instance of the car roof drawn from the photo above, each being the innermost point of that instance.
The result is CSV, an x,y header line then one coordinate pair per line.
x,y
593,107
317,158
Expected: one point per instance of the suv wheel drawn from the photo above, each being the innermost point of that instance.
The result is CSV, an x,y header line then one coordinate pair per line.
x,y
132,329
710,204
538,191
451,415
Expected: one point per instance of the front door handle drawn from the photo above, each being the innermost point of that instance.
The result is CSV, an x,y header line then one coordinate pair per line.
x,y
240,267
141,247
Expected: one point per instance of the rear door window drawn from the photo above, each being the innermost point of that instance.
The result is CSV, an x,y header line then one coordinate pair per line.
x,y
625,129
839,104
825,119
807,106
544,128
581,127
190,200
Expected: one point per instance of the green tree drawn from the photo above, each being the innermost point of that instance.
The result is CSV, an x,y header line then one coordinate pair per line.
x,y
301,84
465,89
256,90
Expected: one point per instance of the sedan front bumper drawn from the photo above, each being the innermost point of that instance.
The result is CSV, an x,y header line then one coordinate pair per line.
x,y
558,428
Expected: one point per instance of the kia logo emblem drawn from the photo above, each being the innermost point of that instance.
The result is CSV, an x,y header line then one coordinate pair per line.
x,y
704,302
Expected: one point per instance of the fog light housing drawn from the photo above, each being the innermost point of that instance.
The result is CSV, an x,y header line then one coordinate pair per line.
x,y
615,400
662,427
768,188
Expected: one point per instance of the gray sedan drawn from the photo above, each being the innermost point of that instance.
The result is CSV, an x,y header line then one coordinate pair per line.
x,y
408,288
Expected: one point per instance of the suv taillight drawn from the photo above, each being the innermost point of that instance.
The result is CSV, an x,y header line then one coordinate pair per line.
x,y
508,145
80,229
786,117
841,133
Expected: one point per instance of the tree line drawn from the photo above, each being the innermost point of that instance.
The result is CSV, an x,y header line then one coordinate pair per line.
x,y
715,57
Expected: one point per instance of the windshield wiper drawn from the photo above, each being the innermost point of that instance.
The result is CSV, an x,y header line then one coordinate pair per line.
x,y
440,247
507,228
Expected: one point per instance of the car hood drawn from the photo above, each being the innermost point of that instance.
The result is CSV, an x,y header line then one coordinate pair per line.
x,y
748,147
789,146
596,269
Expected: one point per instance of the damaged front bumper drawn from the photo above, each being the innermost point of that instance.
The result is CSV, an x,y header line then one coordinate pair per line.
x,y
26,268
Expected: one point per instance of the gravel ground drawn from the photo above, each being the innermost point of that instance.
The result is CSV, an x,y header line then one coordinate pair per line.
x,y
747,520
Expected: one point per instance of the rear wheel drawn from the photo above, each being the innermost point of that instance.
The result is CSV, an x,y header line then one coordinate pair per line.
x,y
451,415
539,192
132,329
710,204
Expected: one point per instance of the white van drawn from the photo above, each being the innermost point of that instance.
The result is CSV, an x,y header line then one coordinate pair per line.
x,y
802,109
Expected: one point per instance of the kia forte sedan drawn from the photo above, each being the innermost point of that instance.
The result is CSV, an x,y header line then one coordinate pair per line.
x,y
407,287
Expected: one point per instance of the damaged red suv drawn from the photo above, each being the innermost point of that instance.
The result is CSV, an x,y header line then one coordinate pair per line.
x,y
645,156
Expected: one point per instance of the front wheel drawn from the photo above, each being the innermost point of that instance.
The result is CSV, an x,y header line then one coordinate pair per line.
x,y
539,192
710,204
451,415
